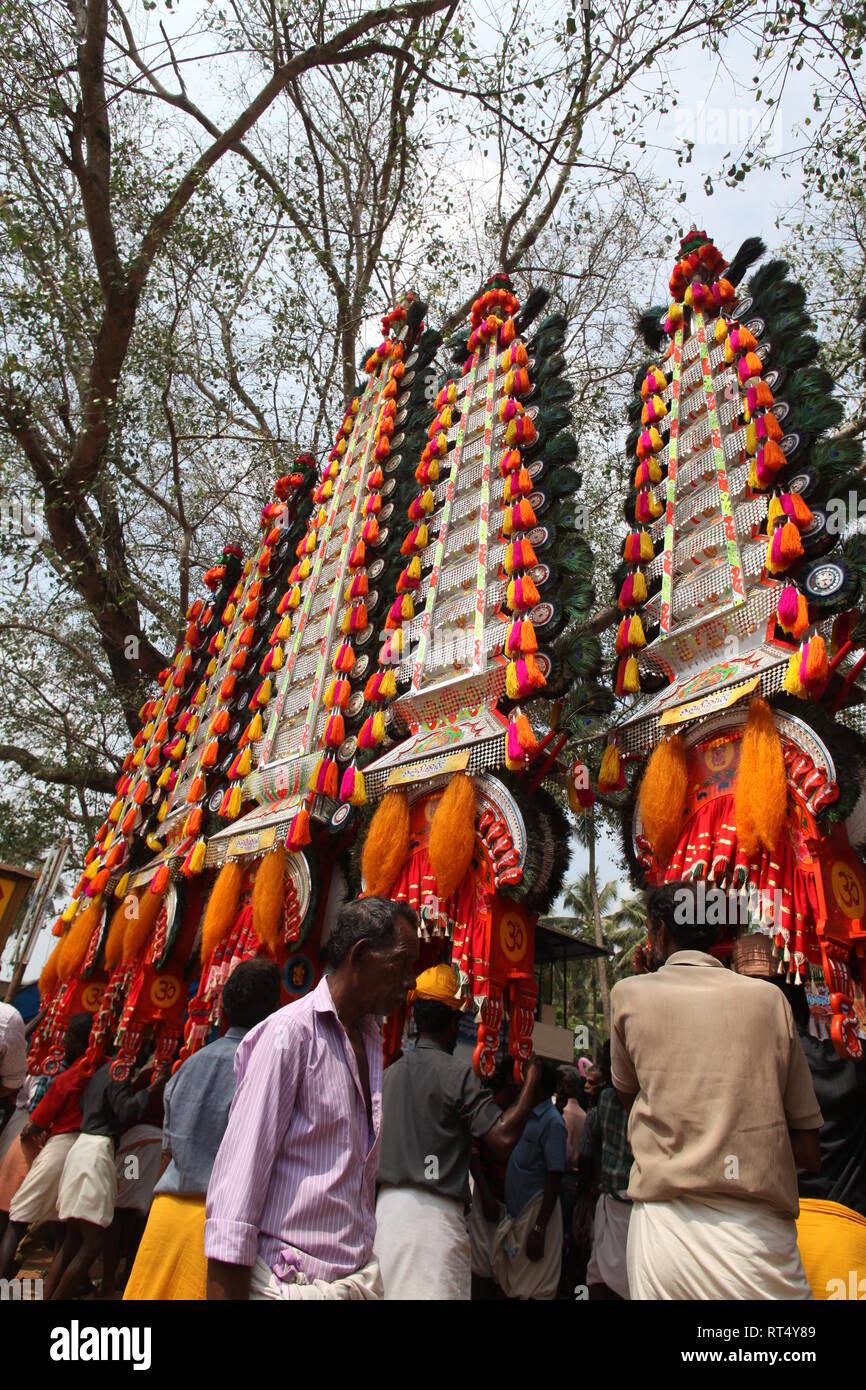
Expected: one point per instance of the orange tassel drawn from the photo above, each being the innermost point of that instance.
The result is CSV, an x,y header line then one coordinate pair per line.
x,y
123,913
139,928
268,898
452,834
386,847
663,796
48,977
221,908
73,946
760,791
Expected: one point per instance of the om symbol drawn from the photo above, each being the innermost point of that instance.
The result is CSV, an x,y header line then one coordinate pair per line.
x,y
165,991
847,890
512,937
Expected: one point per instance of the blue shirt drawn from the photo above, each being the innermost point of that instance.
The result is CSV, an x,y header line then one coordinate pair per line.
x,y
541,1149
197,1102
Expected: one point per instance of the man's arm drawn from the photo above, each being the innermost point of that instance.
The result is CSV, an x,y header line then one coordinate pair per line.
x,y
504,1134
800,1102
806,1148
482,1189
228,1283
268,1079
626,1099
536,1238
13,1055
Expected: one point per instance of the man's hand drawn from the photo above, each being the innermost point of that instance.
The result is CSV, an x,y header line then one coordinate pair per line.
x,y
533,1068
227,1282
642,960
535,1243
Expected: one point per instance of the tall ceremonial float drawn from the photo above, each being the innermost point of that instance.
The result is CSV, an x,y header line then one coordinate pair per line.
x,y
492,572
742,646
348,710
165,898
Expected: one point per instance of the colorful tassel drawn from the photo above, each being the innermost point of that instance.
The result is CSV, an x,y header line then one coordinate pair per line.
x,y
662,796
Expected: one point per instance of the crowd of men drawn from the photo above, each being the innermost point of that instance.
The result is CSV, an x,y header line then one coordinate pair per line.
x,y
279,1162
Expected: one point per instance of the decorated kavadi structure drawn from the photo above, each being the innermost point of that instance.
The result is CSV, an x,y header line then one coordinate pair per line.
x,y
741,647
361,704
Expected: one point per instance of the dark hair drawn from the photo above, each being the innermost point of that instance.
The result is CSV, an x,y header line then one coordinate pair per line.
x,y
367,919
681,910
78,1030
432,1016
251,992
547,1080
567,1080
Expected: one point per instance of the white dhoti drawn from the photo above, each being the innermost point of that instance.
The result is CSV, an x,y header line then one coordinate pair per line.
x,y
607,1264
36,1198
713,1248
422,1245
482,1235
515,1273
139,1155
12,1128
365,1283
88,1186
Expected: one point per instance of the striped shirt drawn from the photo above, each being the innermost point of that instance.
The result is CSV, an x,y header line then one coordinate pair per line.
x,y
295,1176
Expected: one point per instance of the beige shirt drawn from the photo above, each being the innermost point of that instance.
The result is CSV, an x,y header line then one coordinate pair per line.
x,y
720,1077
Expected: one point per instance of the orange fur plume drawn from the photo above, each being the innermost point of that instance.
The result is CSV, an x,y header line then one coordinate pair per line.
x,y
73,946
221,908
663,796
139,927
269,896
123,913
48,978
452,834
760,791
386,847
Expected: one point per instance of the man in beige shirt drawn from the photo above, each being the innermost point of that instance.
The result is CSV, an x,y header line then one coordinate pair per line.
x,y
722,1113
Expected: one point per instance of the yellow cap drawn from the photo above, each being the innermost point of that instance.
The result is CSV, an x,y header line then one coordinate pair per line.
x,y
439,983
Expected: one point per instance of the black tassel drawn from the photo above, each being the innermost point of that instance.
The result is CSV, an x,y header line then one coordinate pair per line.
x,y
751,250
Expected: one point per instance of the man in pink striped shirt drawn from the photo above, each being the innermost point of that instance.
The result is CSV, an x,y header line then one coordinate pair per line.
x,y
292,1197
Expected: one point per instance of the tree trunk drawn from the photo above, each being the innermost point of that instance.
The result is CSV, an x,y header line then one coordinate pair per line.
x,y
596,915
595,1011
347,352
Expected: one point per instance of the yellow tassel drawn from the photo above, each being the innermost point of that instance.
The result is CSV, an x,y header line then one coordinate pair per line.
x,y
663,796
386,847
610,771
121,886
69,912
636,637
268,898
452,834
792,676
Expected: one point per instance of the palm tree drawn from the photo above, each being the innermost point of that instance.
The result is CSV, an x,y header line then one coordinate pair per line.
x,y
584,894
626,931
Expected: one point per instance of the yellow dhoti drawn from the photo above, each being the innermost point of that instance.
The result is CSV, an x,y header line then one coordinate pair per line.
x,y
832,1241
171,1263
